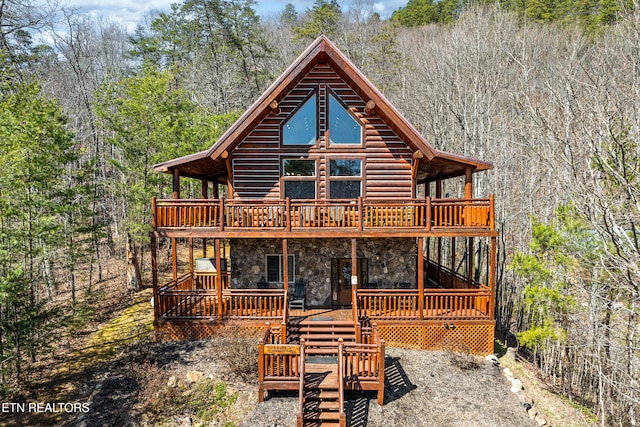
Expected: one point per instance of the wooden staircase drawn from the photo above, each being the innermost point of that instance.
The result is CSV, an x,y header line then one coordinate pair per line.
x,y
321,336
322,386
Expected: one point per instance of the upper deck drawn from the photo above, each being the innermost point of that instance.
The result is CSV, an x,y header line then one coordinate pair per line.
x,y
323,218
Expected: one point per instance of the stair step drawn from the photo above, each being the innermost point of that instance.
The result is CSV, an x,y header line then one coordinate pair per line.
x,y
327,328
321,323
322,351
321,394
324,337
322,416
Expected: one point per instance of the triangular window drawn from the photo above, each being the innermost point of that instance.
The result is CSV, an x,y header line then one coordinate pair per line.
x,y
343,128
300,129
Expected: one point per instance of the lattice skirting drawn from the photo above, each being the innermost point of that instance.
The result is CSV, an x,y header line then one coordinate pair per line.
x,y
473,338
197,330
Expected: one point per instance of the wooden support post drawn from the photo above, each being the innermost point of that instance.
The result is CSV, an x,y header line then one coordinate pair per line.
x,y
355,273
154,276
468,183
174,259
218,254
176,184
470,263
154,217
285,264
191,260
492,277
205,195
440,260
420,278
439,189
453,259
360,214
287,213
428,213
216,190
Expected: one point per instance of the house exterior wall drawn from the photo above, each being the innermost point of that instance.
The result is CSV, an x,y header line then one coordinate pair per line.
x,y
390,262
387,159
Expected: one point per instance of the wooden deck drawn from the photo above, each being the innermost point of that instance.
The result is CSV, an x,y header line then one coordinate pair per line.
x,y
358,217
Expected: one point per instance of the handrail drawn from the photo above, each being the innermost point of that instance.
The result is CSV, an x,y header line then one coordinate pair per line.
x,y
301,388
343,416
285,318
358,214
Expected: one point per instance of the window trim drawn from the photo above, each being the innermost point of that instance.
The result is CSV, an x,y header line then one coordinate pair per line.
x,y
314,92
284,179
328,94
360,178
292,266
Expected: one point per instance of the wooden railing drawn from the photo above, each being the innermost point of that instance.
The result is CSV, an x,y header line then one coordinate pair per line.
x,y
363,363
342,372
207,280
254,303
236,303
449,278
457,304
387,303
359,214
439,304
279,364
301,399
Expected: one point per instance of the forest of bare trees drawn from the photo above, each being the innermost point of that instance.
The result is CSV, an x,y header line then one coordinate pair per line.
x,y
555,106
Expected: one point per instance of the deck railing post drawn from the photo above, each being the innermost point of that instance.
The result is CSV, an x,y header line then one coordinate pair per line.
x,y
154,219
287,213
260,370
492,217
427,215
360,214
218,277
221,213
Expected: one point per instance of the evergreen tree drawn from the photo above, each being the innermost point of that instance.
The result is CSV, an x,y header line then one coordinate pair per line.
x,y
35,152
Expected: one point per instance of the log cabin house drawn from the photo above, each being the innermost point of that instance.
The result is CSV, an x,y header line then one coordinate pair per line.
x,y
334,208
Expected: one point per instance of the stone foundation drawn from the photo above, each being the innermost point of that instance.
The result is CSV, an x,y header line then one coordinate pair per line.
x,y
391,263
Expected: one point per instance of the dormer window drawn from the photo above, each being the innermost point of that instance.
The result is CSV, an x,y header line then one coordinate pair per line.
x,y
301,128
343,127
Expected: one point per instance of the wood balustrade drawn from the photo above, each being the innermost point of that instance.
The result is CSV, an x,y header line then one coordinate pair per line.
x,y
251,303
236,303
363,214
387,303
440,304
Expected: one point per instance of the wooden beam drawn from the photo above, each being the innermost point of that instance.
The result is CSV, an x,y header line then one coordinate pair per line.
x,y
216,244
285,264
420,278
438,189
492,277
274,107
154,276
414,168
468,183
356,282
417,155
370,107
176,184
227,162
205,188
470,262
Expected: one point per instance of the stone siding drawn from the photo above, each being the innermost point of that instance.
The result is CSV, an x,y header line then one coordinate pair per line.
x,y
391,263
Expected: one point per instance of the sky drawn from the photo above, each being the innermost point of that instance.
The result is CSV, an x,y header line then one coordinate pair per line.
x,y
131,12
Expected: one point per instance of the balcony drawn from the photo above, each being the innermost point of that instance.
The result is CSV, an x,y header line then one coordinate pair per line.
x,y
361,217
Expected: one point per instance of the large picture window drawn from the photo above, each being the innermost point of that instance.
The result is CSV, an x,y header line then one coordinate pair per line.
x,y
301,128
275,268
345,178
299,178
343,127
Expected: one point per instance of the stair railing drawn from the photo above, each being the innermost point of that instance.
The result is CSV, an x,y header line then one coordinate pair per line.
x,y
300,420
343,415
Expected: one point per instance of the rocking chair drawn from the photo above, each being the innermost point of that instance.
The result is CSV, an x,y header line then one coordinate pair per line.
x,y
297,300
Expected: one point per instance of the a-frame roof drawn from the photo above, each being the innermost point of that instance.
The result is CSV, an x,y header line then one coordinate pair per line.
x,y
210,164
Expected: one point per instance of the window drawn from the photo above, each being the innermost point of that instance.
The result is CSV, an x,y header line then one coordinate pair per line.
x,y
301,128
275,268
343,128
299,178
342,184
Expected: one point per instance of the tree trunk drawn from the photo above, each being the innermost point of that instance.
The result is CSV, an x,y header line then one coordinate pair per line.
x,y
134,279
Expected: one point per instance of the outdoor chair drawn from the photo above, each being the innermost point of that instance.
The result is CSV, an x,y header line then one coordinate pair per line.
x,y
297,300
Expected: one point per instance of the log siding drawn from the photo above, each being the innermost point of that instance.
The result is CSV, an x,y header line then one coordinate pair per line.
x,y
257,160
